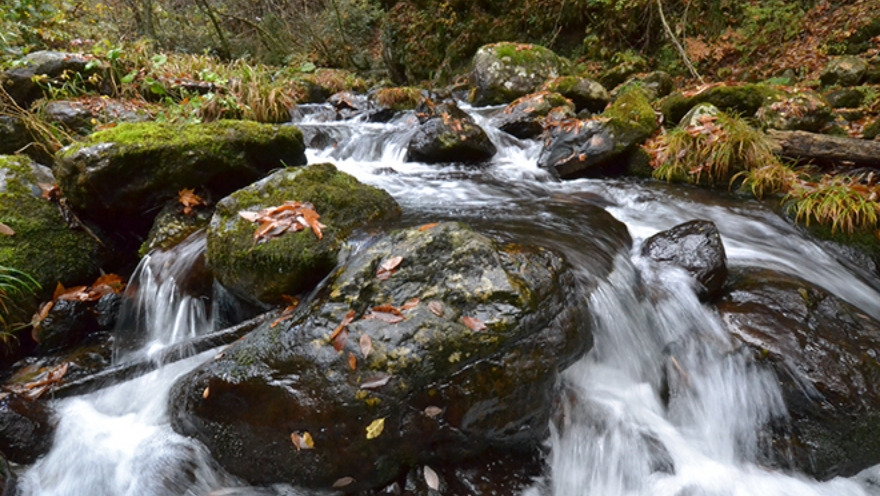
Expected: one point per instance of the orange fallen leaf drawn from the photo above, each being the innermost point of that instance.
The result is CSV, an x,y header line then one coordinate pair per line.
x,y
436,308
410,304
189,199
385,313
49,191
366,344
339,340
349,316
206,392
302,441
474,324
6,230
292,303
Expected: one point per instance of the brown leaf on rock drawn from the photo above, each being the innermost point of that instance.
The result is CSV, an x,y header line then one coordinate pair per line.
x,y
49,191
206,393
388,268
343,326
343,482
429,226
292,303
291,216
43,382
376,382
385,313
474,324
302,441
340,338
352,361
189,199
433,411
6,230
410,304
366,344
436,308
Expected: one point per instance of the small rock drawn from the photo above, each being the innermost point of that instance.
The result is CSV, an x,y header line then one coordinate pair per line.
x,y
696,247
447,134
848,70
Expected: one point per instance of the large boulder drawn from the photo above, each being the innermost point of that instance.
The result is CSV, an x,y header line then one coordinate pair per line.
x,y
430,344
83,114
448,134
656,84
27,428
576,148
823,351
585,93
14,135
800,111
503,72
294,261
121,177
525,117
38,70
696,247
743,99
848,70
44,245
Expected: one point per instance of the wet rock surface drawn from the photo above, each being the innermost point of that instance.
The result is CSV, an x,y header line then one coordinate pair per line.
x,y
526,116
697,248
471,364
448,134
26,428
824,353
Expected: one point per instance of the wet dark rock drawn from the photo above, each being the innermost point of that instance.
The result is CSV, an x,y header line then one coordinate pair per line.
x,y
8,481
445,387
14,135
800,111
121,177
67,324
525,117
175,223
448,134
26,428
503,72
585,93
848,70
294,261
58,67
575,148
824,353
742,99
844,98
349,105
696,247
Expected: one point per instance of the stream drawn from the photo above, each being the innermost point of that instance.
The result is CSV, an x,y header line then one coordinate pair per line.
x,y
617,429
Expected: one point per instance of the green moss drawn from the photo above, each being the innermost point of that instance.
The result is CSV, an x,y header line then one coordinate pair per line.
x,y
523,54
399,99
743,99
632,117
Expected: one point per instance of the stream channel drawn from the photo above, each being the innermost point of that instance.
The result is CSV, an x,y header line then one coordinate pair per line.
x,y
118,441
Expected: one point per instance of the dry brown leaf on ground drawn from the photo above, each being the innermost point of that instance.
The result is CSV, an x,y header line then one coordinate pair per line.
x,y
6,230
189,199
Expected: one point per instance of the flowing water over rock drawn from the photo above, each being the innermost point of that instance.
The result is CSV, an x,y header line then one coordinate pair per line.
x,y
665,404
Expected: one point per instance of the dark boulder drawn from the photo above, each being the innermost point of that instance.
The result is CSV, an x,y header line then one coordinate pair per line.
x,y
845,98
824,353
82,115
448,134
503,72
294,261
576,148
525,117
585,93
26,428
848,70
468,358
67,324
121,177
46,68
8,480
696,247
14,135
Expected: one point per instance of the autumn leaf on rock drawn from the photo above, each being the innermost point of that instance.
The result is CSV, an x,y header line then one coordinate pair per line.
x,y
366,345
385,313
349,316
410,304
343,482
436,308
302,441
474,324
388,268
291,216
375,428
429,226
206,393
49,191
433,411
376,382
42,383
6,230
292,303
189,199
432,479
352,361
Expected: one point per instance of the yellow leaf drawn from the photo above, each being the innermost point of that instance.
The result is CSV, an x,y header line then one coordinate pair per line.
x,y
375,428
302,441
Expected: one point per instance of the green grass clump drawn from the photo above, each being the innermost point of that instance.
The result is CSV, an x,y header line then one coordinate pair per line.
x,y
843,202
13,283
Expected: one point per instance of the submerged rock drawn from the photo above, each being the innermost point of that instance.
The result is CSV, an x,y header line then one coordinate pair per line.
x,y
449,349
503,72
122,176
576,148
294,261
696,247
26,428
448,134
823,351
525,117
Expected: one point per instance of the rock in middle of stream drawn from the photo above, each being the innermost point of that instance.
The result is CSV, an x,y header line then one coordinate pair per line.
x,y
431,344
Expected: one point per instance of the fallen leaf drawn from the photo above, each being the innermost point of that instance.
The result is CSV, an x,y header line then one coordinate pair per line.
x,y
112,282
342,482
311,218
291,216
249,216
366,345
432,479
189,199
352,361
50,191
349,316
387,317
376,382
411,303
302,441
339,340
206,392
6,230
429,226
474,324
375,428
388,268
292,303
436,308
433,411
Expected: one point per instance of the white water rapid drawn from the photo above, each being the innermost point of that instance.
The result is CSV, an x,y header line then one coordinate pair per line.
x,y
617,438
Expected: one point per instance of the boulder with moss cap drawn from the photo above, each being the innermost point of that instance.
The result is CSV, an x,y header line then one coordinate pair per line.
x,y
121,177
525,117
471,361
503,72
294,261
585,93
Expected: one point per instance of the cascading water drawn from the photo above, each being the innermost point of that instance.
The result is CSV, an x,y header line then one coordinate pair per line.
x,y
615,433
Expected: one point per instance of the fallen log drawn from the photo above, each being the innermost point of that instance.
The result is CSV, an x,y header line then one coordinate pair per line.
x,y
174,353
824,149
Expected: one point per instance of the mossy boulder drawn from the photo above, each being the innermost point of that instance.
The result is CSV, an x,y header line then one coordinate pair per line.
x,y
585,93
822,350
174,224
576,148
448,134
503,72
845,98
472,361
629,66
743,99
43,69
294,261
848,70
872,129
525,117
14,135
121,177
44,245
799,111
656,84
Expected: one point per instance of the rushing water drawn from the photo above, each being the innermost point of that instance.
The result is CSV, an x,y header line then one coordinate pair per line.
x,y
617,437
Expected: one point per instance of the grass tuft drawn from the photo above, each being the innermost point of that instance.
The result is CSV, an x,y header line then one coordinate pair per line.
x,y
846,203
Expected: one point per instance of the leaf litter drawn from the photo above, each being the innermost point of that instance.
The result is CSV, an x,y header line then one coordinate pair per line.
x,y
291,216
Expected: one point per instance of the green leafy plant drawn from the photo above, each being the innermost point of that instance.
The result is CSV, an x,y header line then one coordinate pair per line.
x,y
13,283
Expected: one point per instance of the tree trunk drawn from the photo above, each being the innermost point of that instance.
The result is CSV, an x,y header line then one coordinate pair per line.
x,y
826,150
